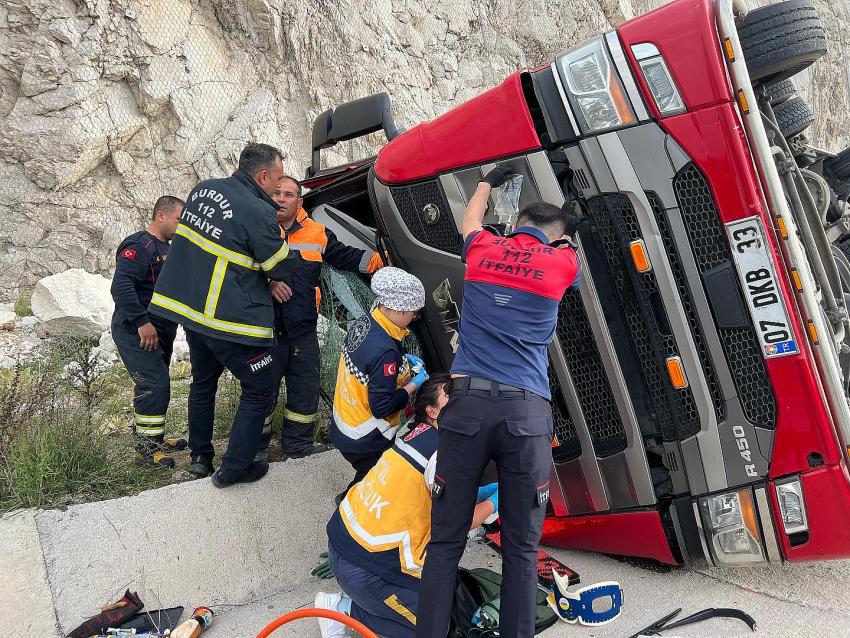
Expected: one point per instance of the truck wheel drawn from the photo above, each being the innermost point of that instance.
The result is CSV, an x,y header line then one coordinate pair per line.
x,y
779,92
793,117
839,166
780,40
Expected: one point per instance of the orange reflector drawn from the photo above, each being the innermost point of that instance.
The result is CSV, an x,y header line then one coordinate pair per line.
x,y
555,442
748,513
813,333
730,52
781,224
742,100
677,373
639,256
798,284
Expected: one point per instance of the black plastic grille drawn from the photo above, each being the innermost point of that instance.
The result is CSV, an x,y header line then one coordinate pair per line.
x,y
616,226
435,230
740,345
688,306
569,446
589,377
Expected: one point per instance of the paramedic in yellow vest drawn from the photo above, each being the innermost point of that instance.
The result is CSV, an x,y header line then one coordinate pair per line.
x,y
373,385
296,312
377,537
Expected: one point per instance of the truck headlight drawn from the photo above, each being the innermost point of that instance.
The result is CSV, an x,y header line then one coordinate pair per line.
x,y
731,523
658,79
594,89
792,507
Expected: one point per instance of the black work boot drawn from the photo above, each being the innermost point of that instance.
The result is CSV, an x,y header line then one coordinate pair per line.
x,y
316,448
255,472
151,452
201,466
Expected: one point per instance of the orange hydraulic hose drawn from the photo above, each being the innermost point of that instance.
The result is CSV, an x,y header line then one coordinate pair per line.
x,y
359,627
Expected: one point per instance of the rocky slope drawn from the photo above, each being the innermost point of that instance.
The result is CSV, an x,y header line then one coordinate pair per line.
x,y
106,105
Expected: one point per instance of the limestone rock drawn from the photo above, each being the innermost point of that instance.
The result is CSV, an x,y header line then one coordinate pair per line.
x,y
102,112
73,303
180,352
7,319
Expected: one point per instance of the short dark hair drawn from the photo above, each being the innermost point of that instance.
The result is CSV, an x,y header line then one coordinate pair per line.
x,y
166,202
292,179
427,395
542,214
255,157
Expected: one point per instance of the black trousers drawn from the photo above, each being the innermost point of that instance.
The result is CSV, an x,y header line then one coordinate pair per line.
x,y
254,366
149,371
297,362
515,430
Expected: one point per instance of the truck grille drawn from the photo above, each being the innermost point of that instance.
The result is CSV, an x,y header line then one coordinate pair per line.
x,y
688,306
416,205
569,446
589,377
616,226
710,249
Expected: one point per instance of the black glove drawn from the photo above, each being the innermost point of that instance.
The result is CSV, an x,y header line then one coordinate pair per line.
x,y
498,176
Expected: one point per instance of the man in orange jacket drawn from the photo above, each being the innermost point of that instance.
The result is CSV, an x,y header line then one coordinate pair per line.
x,y
296,314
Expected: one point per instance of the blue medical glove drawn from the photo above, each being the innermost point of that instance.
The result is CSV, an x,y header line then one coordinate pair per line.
x,y
417,367
490,493
414,361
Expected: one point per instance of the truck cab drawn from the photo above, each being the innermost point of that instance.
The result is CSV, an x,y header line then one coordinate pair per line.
x,y
699,372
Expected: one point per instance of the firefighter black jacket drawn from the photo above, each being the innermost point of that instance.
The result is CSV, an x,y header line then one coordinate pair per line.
x,y
227,246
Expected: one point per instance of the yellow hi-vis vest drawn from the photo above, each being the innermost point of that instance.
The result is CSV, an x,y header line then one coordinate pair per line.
x,y
384,522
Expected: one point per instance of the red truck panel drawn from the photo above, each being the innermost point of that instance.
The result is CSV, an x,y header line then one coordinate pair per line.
x,y
493,125
685,34
627,534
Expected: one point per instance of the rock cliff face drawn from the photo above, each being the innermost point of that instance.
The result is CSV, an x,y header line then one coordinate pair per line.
x,y
106,105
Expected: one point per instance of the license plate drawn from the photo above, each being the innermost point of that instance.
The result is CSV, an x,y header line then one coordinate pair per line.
x,y
758,282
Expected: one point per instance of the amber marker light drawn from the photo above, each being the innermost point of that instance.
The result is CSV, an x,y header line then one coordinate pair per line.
x,y
676,371
742,100
640,257
730,52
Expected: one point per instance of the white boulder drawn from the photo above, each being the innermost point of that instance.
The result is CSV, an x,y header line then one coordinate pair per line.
x,y
7,319
107,343
181,347
73,303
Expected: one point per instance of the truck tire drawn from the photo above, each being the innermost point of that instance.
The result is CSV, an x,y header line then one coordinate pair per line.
x,y
839,166
793,117
779,92
780,40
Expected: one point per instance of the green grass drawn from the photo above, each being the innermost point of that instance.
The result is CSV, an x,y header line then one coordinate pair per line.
x,y
23,306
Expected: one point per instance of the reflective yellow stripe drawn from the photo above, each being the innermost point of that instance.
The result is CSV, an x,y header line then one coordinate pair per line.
x,y
215,286
298,418
275,259
393,603
219,251
150,430
211,322
149,418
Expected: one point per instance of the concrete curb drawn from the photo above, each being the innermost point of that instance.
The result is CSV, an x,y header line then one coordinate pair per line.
x,y
188,544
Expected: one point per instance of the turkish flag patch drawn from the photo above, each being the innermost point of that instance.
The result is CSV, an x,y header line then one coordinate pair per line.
x,y
390,369
128,253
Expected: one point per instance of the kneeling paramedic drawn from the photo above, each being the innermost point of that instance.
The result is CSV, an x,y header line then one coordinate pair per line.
x,y
144,341
296,312
380,577
499,404
215,284
372,385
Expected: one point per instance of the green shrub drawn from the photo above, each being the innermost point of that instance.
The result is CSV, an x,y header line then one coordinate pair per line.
x,y
23,306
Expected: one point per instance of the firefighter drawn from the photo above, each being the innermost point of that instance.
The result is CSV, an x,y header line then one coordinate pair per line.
x,y
145,341
296,313
372,384
215,284
499,404
380,578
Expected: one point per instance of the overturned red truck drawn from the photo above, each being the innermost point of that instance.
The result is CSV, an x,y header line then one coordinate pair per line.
x,y
700,373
